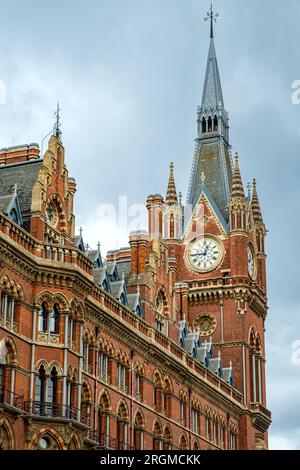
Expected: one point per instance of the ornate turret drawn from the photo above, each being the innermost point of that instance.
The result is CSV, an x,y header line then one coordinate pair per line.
x,y
255,206
171,196
258,220
238,204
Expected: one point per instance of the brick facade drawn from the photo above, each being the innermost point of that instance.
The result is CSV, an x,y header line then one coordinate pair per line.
x,y
141,350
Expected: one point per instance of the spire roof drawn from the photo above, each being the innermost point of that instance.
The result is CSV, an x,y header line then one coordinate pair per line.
x,y
171,196
255,206
237,189
212,95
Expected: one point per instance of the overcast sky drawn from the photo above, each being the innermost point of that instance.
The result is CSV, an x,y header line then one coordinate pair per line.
x,y
129,75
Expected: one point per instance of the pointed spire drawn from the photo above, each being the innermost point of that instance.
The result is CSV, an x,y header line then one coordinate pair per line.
x,y
255,204
237,189
171,197
212,91
57,125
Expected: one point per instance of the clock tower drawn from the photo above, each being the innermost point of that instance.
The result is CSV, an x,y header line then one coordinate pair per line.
x,y
220,275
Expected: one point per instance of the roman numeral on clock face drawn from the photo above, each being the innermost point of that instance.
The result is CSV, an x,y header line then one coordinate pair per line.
x,y
204,254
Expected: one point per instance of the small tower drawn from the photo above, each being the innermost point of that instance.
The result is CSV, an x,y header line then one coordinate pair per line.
x,y
237,205
260,233
237,209
172,214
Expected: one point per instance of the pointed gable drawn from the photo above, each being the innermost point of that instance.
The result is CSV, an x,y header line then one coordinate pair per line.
x,y
205,212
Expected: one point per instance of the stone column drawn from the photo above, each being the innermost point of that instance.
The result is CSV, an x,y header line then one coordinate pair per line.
x,y
80,363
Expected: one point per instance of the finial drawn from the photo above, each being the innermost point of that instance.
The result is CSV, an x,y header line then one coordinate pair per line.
x,y
249,190
80,231
219,354
230,364
16,189
213,18
171,166
123,277
180,198
98,245
203,177
236,157
138,289
57,125
210,339
254,183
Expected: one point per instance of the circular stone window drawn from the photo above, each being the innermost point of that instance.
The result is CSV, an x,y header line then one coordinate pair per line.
x,y
44,443
206,323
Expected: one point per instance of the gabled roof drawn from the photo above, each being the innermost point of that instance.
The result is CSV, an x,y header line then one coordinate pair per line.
x,y
24,175
228,375
95,256
99,274
79,243
134,303
215,365
204,191
6,202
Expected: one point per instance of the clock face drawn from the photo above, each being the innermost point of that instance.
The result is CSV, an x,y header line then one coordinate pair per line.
x,y
204,254
251,263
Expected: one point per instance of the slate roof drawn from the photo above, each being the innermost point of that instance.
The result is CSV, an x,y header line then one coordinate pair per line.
x,y
209,162
203,352
117,288
99,275
6,202
24,175
133,301
212,89
124,267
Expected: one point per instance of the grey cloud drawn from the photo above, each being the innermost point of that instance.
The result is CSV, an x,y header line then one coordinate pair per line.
x,y
129,76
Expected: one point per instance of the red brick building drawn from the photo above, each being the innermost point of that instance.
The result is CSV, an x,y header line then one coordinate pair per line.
x,y
161,345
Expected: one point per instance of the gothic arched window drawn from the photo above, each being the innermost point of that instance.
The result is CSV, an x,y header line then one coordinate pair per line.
x,y
168,398
52,391
167,438
40,391
139,432
203,126
122,427
215,123
104,420
209,124
43,318
54,318
157,436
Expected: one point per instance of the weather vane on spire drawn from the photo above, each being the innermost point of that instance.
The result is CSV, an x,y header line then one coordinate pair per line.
x,y
57,131
213,18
